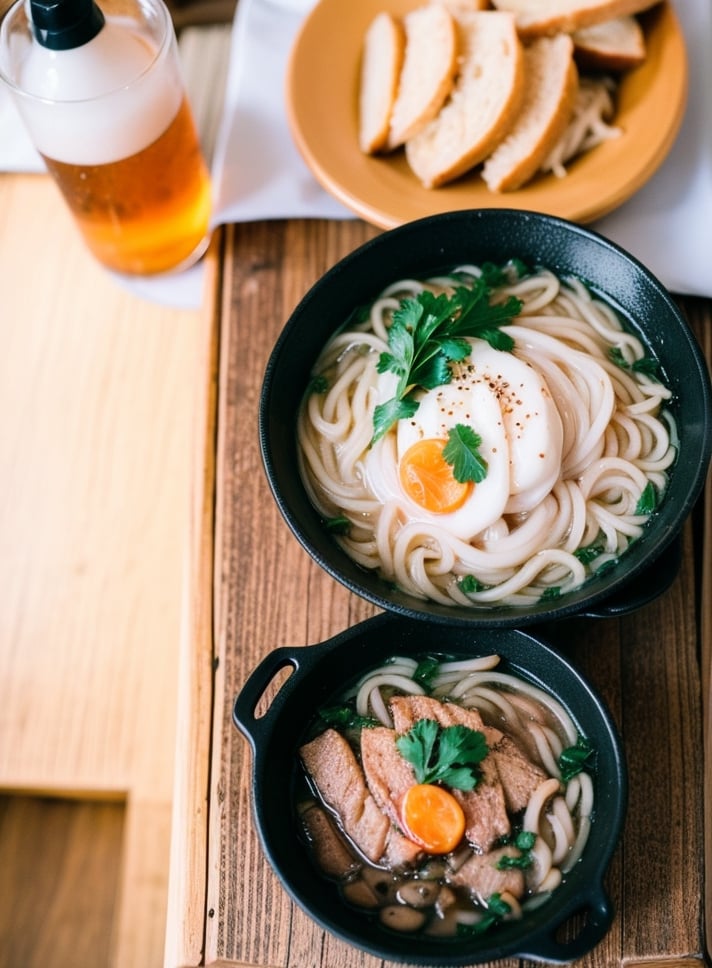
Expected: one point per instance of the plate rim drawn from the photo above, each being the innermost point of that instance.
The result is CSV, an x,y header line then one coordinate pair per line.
x,y
586,205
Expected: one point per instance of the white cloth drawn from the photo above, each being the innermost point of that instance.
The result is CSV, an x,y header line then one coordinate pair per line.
x,y
259,173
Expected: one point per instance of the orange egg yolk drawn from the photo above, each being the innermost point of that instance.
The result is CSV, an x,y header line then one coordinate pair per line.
x,y
427,478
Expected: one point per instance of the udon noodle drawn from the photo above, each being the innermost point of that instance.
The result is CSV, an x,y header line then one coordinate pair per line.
x,y
576,437
467,888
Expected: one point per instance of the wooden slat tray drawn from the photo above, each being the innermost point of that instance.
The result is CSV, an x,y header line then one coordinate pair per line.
x,y
255,589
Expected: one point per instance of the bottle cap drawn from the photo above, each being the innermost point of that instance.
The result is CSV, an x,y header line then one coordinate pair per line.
x,y
64,24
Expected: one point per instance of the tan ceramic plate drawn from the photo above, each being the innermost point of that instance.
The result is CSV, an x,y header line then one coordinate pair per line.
x,y
322,92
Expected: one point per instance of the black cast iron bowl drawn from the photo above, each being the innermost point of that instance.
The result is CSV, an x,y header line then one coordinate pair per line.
x,y
318,674
438,243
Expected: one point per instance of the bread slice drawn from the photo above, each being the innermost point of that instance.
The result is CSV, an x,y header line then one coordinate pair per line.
x,y
483,105
381,64
538,17
615,45
551,83
428,71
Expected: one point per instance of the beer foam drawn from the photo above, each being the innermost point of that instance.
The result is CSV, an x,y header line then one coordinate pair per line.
x,y
101,102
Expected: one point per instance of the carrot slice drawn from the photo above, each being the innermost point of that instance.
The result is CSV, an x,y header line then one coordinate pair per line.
x,y
433,818
427,478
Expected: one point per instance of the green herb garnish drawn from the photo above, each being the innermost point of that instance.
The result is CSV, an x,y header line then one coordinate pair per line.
x,y
425,672
469,584
524,842
429,332
346,717
317,384
444,754
574,759
648,500
496,910
589,553
646,364
462,452
338,525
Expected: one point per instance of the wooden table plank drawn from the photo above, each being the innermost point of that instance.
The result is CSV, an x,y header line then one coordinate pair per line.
x,y
268,593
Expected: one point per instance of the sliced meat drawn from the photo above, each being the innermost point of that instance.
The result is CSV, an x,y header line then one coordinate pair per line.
x,y
338,777
330,850
485,809
517,774
400,851
388,775
407,710
481,877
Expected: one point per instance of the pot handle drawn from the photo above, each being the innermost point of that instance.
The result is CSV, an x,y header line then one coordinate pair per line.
x,y
244,712
598,912
649,585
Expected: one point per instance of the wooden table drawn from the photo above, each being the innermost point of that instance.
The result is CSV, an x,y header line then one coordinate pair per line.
x,y
98,390
253,588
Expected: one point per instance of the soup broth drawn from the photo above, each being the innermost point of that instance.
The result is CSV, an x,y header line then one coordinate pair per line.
x,y
490,437
445,797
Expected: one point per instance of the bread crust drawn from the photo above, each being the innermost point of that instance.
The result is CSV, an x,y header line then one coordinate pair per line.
x,y
428,71
483,105
550,96
381,63
536,18
616,45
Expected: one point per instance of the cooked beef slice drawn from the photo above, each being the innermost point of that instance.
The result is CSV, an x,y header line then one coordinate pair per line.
x,y
330,850
480,876
518,775
338,777
407,710
388,775
486,818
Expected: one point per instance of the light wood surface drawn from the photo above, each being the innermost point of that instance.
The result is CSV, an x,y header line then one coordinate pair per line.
x,y
98,390
260,591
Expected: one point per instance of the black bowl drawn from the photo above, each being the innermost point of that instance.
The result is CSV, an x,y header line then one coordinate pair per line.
x,y
318,672
438,243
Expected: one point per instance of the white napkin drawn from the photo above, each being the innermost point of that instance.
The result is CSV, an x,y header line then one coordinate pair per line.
x,y
259,173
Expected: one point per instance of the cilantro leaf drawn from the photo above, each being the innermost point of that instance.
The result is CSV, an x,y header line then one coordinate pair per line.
x,y
462,451
425,672
444,754
646,364
338,525
345,717
318,384
429,332
648,500
574,759
388,413
497,908
469,584
523,841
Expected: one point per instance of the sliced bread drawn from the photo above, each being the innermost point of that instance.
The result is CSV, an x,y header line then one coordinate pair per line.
x,y
483,105
551,83
539,17
381,64
428,70
615,45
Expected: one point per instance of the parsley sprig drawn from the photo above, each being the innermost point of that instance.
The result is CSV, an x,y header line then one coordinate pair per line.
x,y
429,332
462,451
575,759
444,754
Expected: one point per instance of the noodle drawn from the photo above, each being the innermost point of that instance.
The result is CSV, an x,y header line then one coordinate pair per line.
x,y
526,730
608,420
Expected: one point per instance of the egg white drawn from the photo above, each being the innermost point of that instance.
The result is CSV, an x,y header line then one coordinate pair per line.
x,y
507,403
